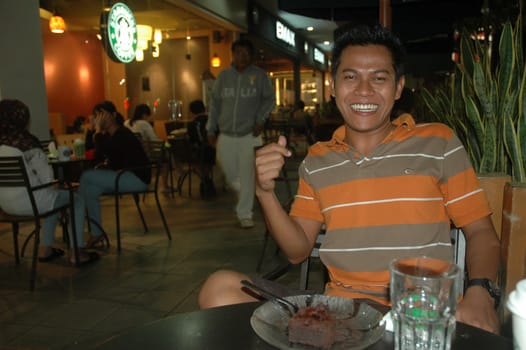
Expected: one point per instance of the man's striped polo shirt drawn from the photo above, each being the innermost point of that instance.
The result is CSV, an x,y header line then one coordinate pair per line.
x,y
397,201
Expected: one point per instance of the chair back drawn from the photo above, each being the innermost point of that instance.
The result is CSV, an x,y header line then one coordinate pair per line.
x,y
182,150
13,174
315,253
138,135
156,152
45,145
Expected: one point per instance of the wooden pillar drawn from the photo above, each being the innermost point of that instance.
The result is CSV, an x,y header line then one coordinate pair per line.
x,y
513,240
493,185
385,13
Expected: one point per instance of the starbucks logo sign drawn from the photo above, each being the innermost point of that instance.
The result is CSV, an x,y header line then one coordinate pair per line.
x,y
119,32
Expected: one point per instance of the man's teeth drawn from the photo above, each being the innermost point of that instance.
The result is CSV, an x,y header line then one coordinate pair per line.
x,y
364,107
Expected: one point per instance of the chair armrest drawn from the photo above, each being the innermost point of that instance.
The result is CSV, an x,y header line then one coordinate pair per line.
x,y
122,171
49,184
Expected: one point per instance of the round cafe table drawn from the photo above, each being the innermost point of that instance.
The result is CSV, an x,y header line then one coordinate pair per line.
x,y
229,328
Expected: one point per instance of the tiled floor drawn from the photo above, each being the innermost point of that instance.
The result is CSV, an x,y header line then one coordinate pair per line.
x,y
152,278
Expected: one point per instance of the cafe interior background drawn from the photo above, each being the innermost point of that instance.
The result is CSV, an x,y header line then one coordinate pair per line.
x,y
79,73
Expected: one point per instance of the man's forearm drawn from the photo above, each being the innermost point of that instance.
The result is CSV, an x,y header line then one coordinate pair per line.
x,y
482,250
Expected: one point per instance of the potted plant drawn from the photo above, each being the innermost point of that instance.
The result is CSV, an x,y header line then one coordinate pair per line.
x,y
485,104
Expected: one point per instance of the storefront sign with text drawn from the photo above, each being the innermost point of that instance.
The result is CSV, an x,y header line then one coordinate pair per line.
x,y
284,34
319,56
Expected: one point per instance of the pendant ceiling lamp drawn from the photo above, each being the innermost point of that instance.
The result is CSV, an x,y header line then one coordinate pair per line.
x,y
144,35
157,36
215,61
57,24
139,55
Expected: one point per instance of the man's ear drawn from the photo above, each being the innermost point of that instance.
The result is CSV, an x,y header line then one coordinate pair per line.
x,y
400,87
331,86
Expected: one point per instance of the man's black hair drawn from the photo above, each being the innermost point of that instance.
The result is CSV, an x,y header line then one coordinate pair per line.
x,y
107,106
141,110
368,34
244,43
197,107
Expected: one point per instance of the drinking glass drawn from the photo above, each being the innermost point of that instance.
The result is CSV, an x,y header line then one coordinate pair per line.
x,y
424,296
79,149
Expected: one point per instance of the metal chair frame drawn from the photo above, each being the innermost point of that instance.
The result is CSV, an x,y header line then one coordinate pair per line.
x,y
13,173
157,154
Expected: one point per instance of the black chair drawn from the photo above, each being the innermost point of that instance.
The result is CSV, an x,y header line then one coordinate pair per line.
x,y
182,152
157,155
45,145
13,174
286,180
305,265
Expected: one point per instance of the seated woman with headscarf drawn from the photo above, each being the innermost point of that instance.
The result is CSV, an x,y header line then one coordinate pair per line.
x,y
16,140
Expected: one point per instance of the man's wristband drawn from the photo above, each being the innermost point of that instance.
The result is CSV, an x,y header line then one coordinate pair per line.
x,y
489,285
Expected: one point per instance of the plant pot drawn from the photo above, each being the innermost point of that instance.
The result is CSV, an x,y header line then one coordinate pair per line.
x,y
513,239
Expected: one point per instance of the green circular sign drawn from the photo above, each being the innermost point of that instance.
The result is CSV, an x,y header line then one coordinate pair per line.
x,y
119,32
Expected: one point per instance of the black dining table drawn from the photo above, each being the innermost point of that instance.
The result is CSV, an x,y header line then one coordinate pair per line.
x,y
228,327
69,170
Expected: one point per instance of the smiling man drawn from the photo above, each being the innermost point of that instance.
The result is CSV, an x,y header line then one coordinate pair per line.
x,y
383,189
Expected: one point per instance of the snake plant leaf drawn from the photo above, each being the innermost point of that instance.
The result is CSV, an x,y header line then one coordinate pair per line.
x,y
521,130
511,139
472,112
481,82
488,164
511,144
473,149
467,54
433,104
506,60
475,120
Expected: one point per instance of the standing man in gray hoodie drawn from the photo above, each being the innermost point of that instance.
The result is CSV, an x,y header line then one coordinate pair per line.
x,y
241,101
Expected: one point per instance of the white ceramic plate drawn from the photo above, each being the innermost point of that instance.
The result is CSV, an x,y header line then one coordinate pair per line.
x,y
270,321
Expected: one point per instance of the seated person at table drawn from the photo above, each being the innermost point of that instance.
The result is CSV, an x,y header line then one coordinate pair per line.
x,y
301,121
16,140
89,142
78,125
139,125
116,148
198,138
383,189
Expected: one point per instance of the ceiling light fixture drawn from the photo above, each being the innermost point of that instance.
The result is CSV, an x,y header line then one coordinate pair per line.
x,y
215,61
155,50
139,55
157,36
144,34
57,24
327,42
310,29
